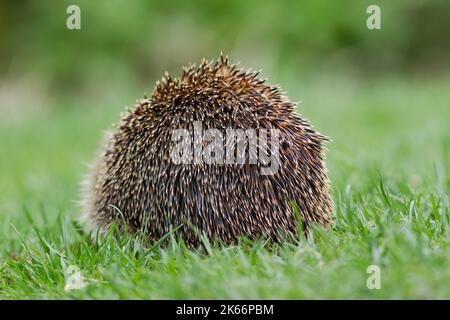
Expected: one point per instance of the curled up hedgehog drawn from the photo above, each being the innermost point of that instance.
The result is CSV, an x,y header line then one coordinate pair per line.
x,y
217,152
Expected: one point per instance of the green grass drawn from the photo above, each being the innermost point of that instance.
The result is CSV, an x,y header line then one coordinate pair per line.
x,y
389,164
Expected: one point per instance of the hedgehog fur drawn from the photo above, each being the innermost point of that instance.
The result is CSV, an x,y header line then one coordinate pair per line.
x,y
136,184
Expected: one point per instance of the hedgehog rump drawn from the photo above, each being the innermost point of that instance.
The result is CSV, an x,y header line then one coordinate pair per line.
x,y
136,183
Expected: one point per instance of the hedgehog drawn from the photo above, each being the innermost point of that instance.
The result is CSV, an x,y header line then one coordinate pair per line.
x,y
138,184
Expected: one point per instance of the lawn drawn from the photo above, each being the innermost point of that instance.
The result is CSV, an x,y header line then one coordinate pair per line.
x,y
388,161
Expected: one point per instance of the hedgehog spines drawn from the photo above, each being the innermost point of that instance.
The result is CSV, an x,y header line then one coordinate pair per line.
x,y
137,175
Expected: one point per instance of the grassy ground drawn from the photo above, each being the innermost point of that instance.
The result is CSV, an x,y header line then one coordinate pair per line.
x,y
389,165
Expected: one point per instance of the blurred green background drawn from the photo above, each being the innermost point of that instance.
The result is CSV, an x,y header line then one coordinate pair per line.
x,y
379,94
130,44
